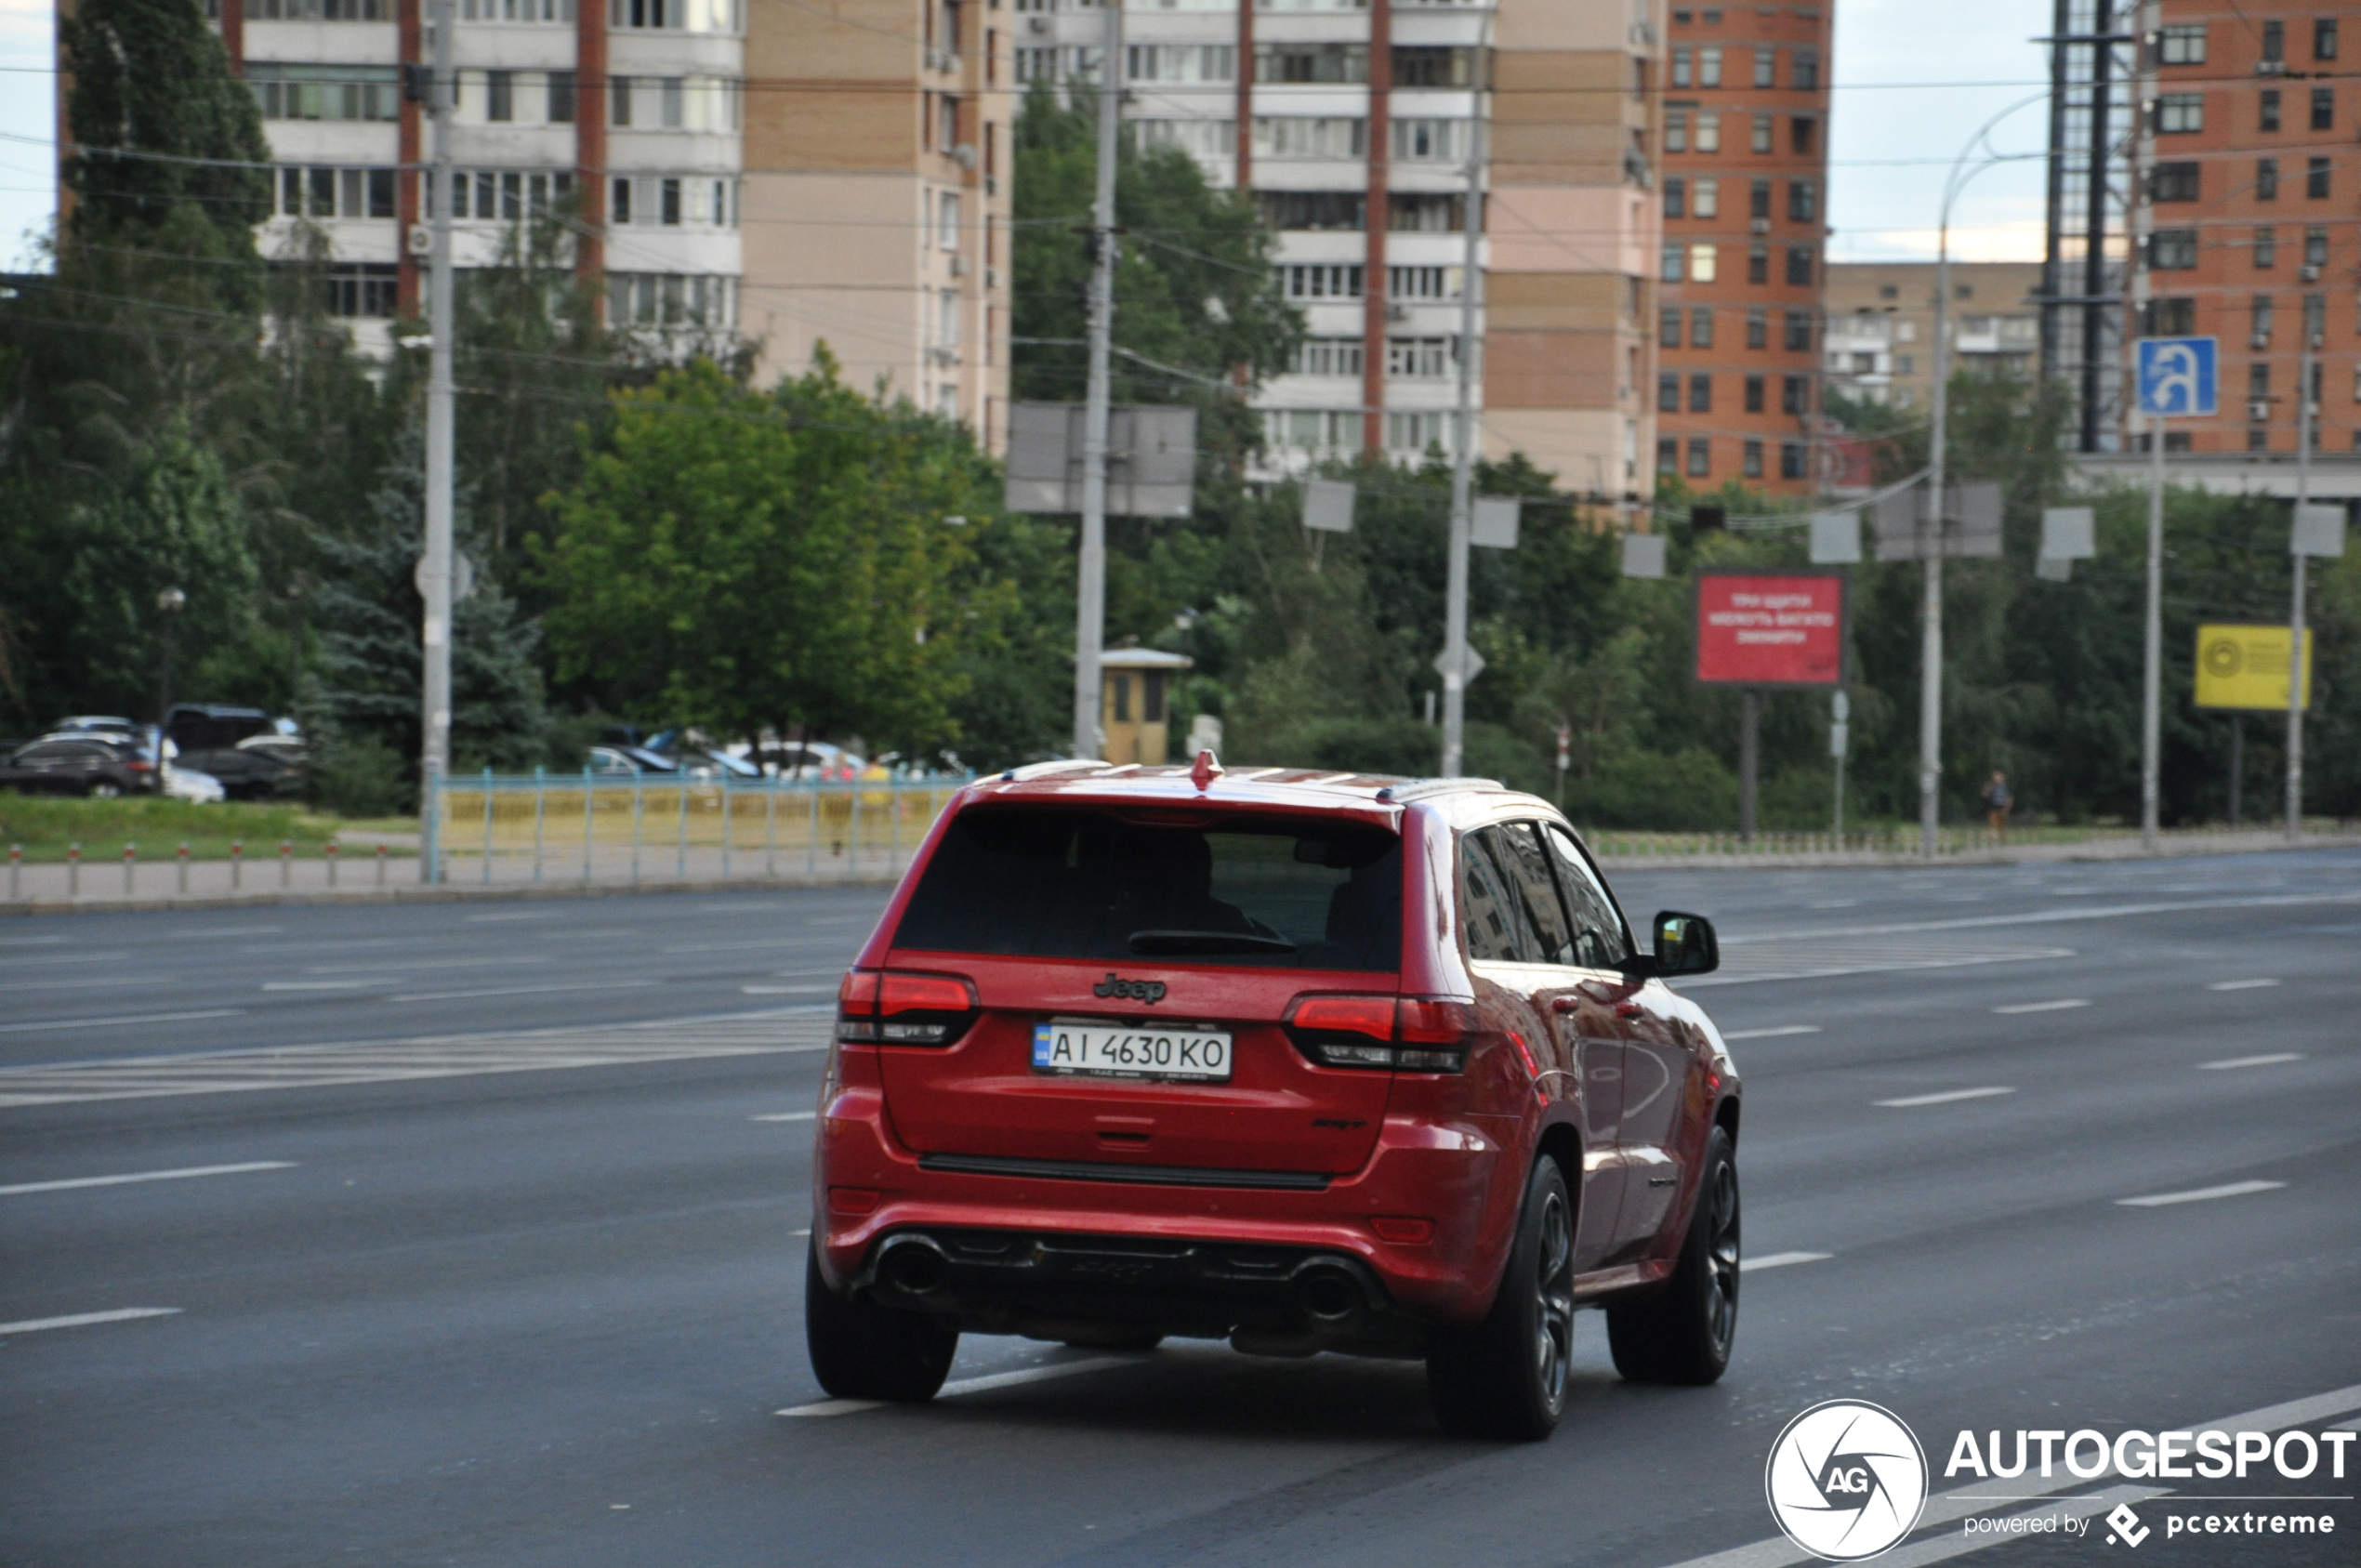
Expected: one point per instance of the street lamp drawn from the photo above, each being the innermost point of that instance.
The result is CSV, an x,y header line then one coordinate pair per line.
x,y
169,603
1930,536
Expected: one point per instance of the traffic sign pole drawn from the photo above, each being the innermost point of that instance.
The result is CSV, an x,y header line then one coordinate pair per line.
x,y
2295,612
2152,668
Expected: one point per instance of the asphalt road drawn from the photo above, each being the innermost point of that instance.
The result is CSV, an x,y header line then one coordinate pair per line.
x,y
471,1313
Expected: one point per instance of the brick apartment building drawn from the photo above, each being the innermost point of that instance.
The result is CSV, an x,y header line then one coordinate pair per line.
x,y
1739,271
1879,343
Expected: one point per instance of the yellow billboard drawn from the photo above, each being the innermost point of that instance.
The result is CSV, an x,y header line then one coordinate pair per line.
x,y
2247,667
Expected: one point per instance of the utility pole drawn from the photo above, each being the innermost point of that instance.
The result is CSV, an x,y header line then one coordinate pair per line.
x,y
1931,550
2295,612
2152,645
1091,594
434,713
1455,614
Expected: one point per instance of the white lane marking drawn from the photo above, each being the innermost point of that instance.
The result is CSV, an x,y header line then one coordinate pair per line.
x,y
84,1320
779,1116
1946,1507
1834,903
1946,1097
50,960
108,1022
2045,917
2273,1060
30,941
1771,1034
211,933
2061,1005
2201,1194
1832,960
1781,1260
517,990
115,984
422,963
324,985
971,1385
181,1175
793,991
2240,984
522,915
783,1031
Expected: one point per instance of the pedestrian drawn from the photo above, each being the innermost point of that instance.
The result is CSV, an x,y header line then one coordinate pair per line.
x,y
1996,801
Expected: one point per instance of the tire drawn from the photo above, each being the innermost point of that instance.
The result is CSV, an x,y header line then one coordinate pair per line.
x,y
105,791
863,1351
1506,1378
1683,1334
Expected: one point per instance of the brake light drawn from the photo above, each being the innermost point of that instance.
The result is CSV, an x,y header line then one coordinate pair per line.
x,y
1399,1034
140,767
898,1008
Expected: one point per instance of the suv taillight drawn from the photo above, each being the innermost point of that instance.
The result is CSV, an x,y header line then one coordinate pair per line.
x,y
897,1008
1389,1034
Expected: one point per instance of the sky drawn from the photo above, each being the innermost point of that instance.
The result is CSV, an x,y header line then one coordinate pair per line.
x,y
1898,122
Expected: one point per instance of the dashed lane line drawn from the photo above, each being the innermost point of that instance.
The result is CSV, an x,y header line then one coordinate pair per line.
x,y
86,1320
1781,1261
1783,1030
2256,985
1944,1098
2063,1003
787,1116
2272,1059
437,1056
2201,1194
181,1175
109,1023
970,1385
519,990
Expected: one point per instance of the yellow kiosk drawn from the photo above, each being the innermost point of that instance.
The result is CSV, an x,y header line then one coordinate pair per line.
x,y
1135,690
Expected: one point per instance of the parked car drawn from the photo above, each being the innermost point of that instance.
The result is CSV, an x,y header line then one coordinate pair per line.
x,y
188,784
1301,1061
629,761
264,767
76,762
215,726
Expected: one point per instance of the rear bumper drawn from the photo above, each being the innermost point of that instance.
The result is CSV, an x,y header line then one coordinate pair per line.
x,y
1025,1242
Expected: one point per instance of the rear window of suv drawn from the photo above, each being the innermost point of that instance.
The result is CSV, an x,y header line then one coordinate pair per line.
x,y
1234,889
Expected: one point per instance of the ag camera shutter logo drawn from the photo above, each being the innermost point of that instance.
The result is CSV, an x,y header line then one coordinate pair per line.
x,y
1846,1480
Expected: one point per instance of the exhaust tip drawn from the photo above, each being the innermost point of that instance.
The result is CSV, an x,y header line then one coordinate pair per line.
x,y
1328,1293
914,1266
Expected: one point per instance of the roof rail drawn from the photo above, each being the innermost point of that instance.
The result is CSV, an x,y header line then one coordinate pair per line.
x,y
1043,769
1418,789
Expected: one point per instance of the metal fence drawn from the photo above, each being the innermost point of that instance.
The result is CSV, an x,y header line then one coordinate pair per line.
x,y
600,828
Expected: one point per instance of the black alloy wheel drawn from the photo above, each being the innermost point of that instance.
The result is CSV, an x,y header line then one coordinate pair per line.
x,y
1507,1377
1684,1332
862,1350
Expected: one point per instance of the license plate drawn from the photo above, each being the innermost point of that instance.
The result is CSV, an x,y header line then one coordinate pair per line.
x,y
1104,1051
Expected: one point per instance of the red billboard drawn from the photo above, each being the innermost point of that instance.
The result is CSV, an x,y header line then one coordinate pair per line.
x,y
1770,630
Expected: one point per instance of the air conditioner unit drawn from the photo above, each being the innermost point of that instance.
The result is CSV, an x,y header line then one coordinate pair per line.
x,y
992,277
2310,274
2259,408
1397,313
1759,226
958,266
422,238
2262,340
1036,24
2269,68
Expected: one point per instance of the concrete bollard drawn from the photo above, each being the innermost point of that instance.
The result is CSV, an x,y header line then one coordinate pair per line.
x,y
184,868
237,864
15,872
73,871
381,866
331,853
286,862
130,864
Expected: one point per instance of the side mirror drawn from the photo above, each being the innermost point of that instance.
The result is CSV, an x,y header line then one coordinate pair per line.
x,y
1685,944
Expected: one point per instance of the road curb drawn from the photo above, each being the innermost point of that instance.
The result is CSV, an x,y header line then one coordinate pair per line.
x,y
513,893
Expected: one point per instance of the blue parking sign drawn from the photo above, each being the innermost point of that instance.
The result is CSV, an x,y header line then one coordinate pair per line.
x,y
2177,376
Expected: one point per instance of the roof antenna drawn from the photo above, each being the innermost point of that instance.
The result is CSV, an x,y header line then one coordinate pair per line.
x,y
1208,769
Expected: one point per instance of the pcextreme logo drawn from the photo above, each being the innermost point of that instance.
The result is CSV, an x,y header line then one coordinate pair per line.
x,y
1846,1480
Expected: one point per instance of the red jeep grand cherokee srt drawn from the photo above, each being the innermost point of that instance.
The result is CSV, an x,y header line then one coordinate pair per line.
x,y
1305,1061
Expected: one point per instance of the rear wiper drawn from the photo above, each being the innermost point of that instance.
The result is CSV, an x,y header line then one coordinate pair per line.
x,y
1174,943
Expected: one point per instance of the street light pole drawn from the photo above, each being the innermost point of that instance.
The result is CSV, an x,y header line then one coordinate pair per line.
x,y
434,716
1454,610
1091,589
169,603
2296,607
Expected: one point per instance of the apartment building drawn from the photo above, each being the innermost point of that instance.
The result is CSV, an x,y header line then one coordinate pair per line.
x,y
1353,123
1740,268
878,191
621,117
2249,220
1878,343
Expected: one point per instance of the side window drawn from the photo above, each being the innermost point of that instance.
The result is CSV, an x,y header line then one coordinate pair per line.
x,y
1496,930
1527,867
1598,941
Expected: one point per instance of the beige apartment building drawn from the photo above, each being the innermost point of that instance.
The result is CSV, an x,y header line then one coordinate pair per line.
x,y
1879,343
877,146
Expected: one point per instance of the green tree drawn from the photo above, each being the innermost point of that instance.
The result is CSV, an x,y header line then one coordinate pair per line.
x,y
746,561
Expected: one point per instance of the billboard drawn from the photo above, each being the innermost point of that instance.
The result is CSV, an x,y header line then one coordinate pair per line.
x,y
1765,629
2247,667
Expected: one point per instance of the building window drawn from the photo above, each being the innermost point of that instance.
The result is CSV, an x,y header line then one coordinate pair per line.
x,y
2265,313
1419,358
1752,467
321,10
1708,201
670,99
1426,212
661,300
2258,381
2274,43
2269,108
669,204
1314,429
1906,364
1676,130
946,223
1320,281
2257,440
2316,179
1421,283
1758,264
2172,250
1669,328
561,98
2178,112
1668,264
1424,66
2324,109
1314,210
1668,392
1801,133
2266,179
1798,330
619,100
1668,454
2173,182
1759,199
2315,248
619,201
1800,264
2183,46
1217,62
1760,140
1790,459
1676,197
679,15
1804,200
1198,138
1754,394
1701,394
1758,328
1766,61
1328,356
1312,136
363,289
500,94
1700,456
2170,318
1795,394
1806,73
1708,133
1416,432
2266,246
2324,38
1710,66
325,92
1681,76
2316,326
1312,63
1701,328
1701,263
